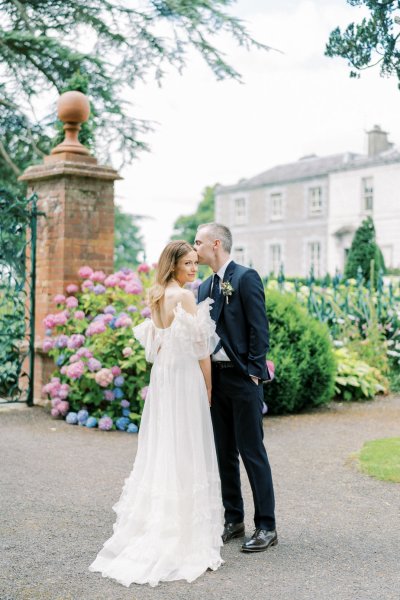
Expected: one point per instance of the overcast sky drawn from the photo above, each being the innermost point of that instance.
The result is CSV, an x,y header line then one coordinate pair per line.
x,y
291,104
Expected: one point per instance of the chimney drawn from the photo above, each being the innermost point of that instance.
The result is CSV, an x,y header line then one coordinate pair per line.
x,y
377,141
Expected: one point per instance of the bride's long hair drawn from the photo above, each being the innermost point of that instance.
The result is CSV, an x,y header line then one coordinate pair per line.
x,y
165,269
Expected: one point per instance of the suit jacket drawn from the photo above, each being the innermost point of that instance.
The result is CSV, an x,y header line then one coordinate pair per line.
x,y
242,322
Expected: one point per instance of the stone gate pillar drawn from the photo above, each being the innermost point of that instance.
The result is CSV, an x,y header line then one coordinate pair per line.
x,y
77,196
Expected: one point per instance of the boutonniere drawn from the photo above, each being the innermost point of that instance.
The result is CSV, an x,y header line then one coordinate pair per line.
x,y
227,290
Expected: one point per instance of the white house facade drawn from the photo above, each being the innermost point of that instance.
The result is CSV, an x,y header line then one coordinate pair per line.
x,y
305,213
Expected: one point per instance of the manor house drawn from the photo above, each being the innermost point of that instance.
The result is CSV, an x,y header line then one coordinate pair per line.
x,y
305,213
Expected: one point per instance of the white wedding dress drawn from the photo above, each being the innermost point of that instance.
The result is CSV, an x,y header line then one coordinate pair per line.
x,y
169,516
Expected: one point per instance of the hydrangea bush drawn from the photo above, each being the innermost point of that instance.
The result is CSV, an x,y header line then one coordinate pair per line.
x,y
101,373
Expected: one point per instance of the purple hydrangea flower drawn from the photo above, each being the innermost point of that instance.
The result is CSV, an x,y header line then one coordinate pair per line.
x,y
119,381
76,341
109,310
72,418
132,308
109,395
146,312
99,289
94,364
83,416
125,403
105,423
47,344
62,341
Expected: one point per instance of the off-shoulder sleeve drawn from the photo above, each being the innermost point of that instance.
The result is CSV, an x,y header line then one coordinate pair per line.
x,y
149,338
196,333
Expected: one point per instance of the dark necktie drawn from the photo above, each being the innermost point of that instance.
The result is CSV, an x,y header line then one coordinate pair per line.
x,y
218,298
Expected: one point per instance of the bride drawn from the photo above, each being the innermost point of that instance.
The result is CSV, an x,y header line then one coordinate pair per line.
x,y
169,516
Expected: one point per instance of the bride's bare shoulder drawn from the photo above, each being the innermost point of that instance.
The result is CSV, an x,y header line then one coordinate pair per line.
x,y
187,300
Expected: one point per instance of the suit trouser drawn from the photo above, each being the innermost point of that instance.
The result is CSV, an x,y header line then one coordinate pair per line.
x,y
236,413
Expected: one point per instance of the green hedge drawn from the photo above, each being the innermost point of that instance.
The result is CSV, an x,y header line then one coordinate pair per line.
x,y
301,349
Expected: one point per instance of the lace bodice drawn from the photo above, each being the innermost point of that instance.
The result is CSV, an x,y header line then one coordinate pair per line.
x,y
189,335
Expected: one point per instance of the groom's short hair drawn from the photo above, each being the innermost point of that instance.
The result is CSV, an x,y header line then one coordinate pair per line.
x,y
219,232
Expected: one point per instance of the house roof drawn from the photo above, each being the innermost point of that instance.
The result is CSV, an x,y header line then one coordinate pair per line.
x,y
312,166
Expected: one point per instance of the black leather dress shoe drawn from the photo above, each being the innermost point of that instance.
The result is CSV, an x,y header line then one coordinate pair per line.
x,y
232,530
260,540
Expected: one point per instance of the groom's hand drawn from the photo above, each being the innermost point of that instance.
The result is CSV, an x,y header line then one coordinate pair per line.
x,y
255,379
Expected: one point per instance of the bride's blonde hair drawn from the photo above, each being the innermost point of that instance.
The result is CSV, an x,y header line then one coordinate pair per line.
x,y
165,269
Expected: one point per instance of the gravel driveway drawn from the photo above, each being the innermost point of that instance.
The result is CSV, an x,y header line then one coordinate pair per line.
x,y
339,530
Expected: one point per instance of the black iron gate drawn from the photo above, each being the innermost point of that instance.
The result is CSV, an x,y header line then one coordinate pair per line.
x,y
18,218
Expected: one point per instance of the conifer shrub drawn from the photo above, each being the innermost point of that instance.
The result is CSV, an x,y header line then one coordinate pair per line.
x,y
364,249
302,352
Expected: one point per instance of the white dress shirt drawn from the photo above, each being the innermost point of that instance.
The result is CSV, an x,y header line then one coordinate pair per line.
x,y
221,354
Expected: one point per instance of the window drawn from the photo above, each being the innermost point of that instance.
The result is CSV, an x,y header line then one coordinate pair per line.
x,y
239,255
240,211
276,206
275,258
315,200
314,257
367,193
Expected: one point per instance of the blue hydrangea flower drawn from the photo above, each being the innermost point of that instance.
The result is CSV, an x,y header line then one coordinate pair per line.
x,y
132,428
83,416
71,418
122,423
112,323
119,381
126,412
118,393
60,360
91,422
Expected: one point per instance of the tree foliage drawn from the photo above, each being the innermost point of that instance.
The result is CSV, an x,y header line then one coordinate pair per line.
x,y
364,249
185,227
109,47
375,40
128,241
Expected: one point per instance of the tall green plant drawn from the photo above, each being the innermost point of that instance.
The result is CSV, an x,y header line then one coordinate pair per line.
x,y
363,250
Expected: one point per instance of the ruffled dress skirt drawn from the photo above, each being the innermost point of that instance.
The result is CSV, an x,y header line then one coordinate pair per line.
x,y
169,516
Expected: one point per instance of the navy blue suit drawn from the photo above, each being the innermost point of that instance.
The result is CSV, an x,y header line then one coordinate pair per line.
x,y
237,401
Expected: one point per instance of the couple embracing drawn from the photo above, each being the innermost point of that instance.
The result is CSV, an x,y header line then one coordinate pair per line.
x,y
169,523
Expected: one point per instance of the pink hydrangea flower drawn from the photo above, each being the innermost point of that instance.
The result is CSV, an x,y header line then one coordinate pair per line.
x,y
76,370
108,318
146,312
133,288
111,281
104,377
64,391
105,423
72,288
122,284
61,318
116,371
71,302
73,359
79,314
55,412
84,352
63,370
63,407
85,272
127,352
143,268
87,285
49,321
98,276
47,344
143,392
55,402
123,321
109,395
95,328
59,299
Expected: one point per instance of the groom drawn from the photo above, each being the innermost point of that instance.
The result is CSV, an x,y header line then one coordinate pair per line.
x,y
238,370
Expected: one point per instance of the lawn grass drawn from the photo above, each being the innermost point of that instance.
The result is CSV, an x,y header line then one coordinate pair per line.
x,y
381,459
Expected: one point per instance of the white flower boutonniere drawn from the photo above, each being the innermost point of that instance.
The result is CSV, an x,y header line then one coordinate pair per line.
x,y
227,290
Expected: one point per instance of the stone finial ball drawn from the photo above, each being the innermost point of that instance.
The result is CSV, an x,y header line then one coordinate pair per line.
x,y
73,107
